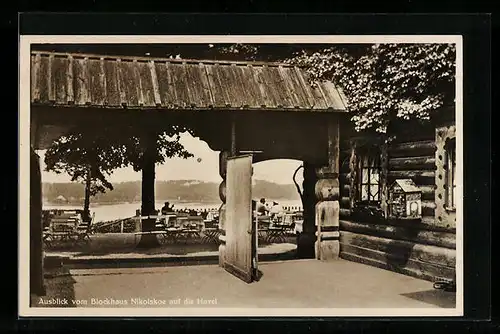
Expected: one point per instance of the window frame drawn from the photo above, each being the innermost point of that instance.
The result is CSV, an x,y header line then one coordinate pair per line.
x,y
373,159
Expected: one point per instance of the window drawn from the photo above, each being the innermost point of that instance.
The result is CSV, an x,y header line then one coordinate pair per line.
x,y
369,178
450,169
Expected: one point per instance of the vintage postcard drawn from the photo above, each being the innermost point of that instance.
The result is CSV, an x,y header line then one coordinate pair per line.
x,y
240,176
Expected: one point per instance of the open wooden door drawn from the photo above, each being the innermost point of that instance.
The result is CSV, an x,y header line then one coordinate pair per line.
x,y
241,251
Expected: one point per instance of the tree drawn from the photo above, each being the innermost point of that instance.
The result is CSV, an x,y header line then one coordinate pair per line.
x,y
383,83
386,83
88,157
142,150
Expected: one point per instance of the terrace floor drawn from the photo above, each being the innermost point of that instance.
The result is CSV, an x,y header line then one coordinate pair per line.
x,y
284,284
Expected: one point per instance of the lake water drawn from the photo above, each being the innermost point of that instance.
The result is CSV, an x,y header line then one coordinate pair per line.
x,y
107,212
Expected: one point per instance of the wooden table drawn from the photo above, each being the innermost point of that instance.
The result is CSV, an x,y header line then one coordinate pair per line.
x,y
277,233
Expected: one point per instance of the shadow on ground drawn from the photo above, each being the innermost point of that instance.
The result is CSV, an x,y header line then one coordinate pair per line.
x,y
59,287
124,243
435,297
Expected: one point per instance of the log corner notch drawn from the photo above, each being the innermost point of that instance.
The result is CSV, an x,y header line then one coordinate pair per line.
x,y
327,191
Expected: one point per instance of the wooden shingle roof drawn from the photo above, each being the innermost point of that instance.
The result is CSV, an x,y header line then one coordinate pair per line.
x,y
61,79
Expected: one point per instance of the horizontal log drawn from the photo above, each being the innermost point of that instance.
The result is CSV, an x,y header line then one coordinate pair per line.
x,y
419,177
345,191
428,208
412,149
433,238
344,213
410,250
427,192
412,267
413,163
345,202
408,133
433,224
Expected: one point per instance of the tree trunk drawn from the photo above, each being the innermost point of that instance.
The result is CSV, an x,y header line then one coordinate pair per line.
x,y
148,193
86,204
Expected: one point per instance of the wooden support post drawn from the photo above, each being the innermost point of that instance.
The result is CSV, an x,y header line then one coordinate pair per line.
x,y
36,226
306,239
384,196
327,191
233,135
148,191
223,155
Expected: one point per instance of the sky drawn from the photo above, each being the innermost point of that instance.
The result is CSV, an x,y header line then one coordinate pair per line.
x,y
204,166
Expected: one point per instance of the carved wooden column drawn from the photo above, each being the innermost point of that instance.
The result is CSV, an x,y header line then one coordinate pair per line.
x,y
222,210
327,191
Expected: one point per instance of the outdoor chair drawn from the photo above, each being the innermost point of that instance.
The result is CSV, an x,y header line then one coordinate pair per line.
x,y
62,230
288,223
263,225
210,231
47,238
84,229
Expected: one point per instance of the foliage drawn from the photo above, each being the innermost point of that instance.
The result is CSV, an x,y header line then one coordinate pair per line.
x,y
383,83
80,150
167,145
238,51
106,149
386,82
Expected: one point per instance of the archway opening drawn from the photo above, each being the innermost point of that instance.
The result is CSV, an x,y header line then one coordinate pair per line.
x,y
278,209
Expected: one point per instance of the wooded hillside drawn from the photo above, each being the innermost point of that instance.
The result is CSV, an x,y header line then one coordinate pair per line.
x,y
185,190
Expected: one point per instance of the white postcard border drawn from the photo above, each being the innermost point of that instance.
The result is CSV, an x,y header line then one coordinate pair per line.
x,y
25,42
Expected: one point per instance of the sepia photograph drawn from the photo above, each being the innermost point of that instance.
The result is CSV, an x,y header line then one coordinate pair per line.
x,y
240,176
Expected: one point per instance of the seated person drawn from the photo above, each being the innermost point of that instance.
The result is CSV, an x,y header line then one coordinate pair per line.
x,y
210,216
166,209
261,207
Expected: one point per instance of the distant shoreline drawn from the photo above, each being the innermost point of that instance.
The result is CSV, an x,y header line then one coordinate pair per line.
x,y
47,203
172,201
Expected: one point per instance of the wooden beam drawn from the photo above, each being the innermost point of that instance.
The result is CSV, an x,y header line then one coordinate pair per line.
x,y
412,149
412,163
418,176
233,135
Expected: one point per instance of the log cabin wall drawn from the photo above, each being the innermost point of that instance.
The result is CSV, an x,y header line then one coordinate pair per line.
x,y
423,249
